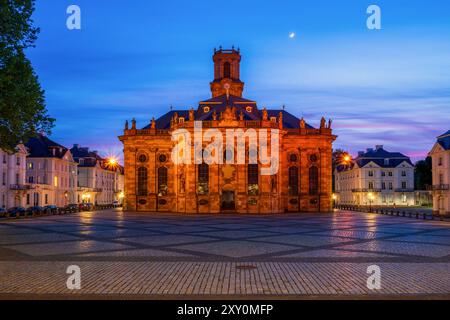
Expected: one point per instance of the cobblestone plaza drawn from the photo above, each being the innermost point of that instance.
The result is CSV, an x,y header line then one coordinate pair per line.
x,y
129,255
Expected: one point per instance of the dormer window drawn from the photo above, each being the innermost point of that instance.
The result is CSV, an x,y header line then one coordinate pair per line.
x,y
181,120
206,109
273,119
386,162
249,109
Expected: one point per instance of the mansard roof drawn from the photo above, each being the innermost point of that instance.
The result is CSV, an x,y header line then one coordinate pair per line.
x,y
444,140
43,147
382,158
378,156
90,157
219,104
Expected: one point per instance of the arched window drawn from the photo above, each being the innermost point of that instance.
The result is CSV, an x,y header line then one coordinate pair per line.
x,y
313,181
142,182
227,70
162,181
203,179
253,179
293,181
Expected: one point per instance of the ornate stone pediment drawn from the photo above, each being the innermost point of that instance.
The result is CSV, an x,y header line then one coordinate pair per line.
x,y
228,173
228,117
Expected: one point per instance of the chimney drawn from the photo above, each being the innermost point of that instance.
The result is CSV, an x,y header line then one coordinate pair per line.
x,y
379,147
369,149
76,146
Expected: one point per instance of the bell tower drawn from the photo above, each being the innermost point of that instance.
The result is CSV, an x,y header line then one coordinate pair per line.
x,y
227,73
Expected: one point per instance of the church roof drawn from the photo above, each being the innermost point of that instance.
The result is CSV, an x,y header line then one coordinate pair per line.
x,y
43,147
444,140
219,104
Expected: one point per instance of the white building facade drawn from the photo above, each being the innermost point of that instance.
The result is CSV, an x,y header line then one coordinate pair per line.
x,y
99,181
376,178
51,174
440,155
13,188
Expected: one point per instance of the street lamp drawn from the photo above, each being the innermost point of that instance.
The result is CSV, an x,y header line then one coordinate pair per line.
x,y
112,161
334,200
371,198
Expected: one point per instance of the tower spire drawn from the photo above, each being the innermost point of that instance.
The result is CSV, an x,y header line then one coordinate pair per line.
x,y
227,71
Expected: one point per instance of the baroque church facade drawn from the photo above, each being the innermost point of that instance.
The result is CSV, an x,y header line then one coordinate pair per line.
x,y
155,183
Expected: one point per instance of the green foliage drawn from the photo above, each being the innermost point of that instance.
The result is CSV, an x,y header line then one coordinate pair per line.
x,y
423,176
22,104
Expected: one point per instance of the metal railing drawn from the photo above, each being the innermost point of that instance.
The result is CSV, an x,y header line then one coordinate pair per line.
x,y
441,187
365,190
397,212
20,187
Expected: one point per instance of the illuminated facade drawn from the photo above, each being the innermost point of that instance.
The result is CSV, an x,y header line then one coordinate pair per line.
x,y
13,188
376,177
99,182
302,183
51,173
441,175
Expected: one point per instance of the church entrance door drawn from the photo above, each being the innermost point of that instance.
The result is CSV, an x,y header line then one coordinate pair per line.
x,y
228,202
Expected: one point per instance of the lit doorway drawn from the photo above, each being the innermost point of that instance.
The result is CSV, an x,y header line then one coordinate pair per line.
x,y
228,202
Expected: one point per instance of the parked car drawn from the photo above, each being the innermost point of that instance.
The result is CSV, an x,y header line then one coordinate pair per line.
x,y
86,206
2,212
71,207
36,210
51,209
16,212
116,204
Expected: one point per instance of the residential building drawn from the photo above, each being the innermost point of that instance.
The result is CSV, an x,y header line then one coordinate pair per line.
x,y
13,189
440,155
100,180
301,182
376,177
51,173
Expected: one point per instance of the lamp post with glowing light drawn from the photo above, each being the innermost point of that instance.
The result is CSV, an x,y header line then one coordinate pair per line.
x,y
371,198
112,162
334,200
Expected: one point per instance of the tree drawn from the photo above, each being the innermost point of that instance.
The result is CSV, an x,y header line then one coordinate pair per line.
x,y
23,113
423,174
338,158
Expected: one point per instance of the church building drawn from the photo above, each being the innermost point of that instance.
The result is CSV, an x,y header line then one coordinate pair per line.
x,y
300,154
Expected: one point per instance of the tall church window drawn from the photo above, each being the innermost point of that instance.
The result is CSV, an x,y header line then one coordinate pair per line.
x,y
313,181
253,179
203,179
162,181
142,181
227,70
293,181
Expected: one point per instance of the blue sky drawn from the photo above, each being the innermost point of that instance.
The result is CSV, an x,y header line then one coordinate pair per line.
x,y
136,58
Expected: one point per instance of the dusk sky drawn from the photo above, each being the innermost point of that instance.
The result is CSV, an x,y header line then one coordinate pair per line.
x,y
136,58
